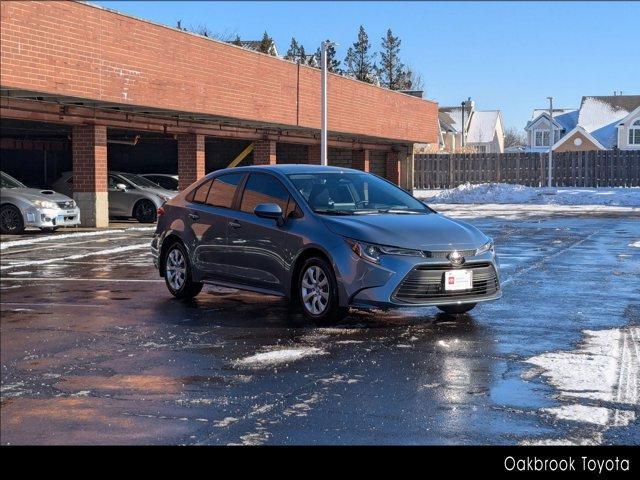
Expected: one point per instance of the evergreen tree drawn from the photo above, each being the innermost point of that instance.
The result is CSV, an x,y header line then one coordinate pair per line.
x,y
392,72
267,45
359,61
296,52
333,65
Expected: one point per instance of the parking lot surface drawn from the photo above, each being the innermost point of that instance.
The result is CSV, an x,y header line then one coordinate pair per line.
x,y
94,350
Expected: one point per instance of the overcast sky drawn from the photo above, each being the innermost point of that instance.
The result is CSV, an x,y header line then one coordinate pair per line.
x,y
507,56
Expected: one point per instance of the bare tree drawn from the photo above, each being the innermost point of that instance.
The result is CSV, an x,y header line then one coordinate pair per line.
x,y
514,138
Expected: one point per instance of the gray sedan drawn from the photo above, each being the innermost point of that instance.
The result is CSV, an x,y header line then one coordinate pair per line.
x,y
130,195
23,207
324,237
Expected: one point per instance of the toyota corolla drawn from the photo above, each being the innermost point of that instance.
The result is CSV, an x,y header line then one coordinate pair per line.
x,y
326,238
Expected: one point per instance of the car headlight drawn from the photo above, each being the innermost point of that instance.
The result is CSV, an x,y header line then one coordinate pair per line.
x,y
372,252
485,248
44,204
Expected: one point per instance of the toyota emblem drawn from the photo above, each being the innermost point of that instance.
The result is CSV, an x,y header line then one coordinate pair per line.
x,y
455,258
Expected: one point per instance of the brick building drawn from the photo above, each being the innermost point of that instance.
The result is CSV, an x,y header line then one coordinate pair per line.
x,y
90,89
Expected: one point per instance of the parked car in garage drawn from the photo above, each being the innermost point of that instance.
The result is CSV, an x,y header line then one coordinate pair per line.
x,y
21,207
325,237
130,195
164,180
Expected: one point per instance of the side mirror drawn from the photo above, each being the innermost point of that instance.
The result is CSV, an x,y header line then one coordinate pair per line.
x,y
121,186
270,210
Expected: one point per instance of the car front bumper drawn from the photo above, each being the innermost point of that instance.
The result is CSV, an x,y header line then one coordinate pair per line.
x,y
405,281
51,217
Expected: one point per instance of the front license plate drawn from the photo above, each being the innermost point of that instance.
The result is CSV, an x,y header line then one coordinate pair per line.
x,y
60,219
458,280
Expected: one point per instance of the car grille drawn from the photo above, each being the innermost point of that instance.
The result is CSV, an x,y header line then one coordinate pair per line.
x,y
425,283
67,204
445,253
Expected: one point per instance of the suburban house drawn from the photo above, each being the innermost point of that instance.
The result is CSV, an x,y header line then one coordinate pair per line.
x,y
483,130
601,123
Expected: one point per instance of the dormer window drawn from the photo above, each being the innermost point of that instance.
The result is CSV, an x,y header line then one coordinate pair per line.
x,y
541,137
634,133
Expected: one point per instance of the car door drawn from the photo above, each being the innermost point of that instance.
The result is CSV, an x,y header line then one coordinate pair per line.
x,y
209,214
257,246
119,200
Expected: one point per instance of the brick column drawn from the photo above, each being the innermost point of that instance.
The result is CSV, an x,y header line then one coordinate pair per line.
x,y
264,152
393,167
190,159
314,155
89,153
360,160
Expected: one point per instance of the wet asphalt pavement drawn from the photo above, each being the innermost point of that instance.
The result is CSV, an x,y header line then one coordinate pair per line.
x,y
94,350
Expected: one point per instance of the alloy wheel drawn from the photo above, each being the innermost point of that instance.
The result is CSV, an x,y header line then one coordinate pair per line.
x,y
315,290
10,219
176,269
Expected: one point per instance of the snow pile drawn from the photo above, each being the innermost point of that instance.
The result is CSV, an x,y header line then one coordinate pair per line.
x,y
277,357
507,193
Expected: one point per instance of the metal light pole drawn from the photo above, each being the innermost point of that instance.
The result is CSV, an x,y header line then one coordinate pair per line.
x,y
550,166
462,139
323,126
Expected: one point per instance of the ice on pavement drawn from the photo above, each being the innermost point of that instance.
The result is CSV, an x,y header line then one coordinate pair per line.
x,y
64,236
277,357
635,244
508,193
604,368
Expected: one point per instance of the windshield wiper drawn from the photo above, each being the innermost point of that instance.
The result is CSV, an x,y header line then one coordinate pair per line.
x,y
330,211
413,211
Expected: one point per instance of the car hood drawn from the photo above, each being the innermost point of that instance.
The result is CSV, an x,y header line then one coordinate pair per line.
x,y
421,232
159,191
36,194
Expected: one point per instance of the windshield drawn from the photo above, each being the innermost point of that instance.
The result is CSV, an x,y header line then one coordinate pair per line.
x,y
351,193
7,181
139,181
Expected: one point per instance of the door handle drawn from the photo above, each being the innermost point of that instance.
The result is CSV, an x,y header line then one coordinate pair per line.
x,y
235,224
194,216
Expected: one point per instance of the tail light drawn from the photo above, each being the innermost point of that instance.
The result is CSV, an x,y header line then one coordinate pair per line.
x,y
160,211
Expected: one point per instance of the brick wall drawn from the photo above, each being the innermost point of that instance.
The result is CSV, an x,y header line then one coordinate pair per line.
x,y
339,157
79,50
89,151
264,152
291,153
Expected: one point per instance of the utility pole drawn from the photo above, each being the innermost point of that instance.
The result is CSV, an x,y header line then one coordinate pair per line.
x,y
462,140
550,166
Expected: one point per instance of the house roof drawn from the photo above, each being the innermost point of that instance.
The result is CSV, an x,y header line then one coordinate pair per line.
x,y
584,132
455,113
566,118
600,115
446,122
483,126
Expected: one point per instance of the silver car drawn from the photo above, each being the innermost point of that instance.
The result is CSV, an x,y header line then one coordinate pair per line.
x,y
21,207
130,195
327,238
163,180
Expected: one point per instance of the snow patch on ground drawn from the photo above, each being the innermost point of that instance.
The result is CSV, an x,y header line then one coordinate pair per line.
x,y
278,357
502,193
604,369
63,236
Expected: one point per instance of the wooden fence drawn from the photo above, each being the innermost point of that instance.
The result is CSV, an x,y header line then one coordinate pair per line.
x,y
610,168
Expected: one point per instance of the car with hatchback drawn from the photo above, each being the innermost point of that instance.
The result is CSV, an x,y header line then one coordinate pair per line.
x,y
327,238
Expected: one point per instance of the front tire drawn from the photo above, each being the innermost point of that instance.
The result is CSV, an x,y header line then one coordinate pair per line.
x,y
457,309
11,221
145,211
318,290
177,273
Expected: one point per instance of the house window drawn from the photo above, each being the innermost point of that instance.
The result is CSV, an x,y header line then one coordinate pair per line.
x,y
634,133
541,138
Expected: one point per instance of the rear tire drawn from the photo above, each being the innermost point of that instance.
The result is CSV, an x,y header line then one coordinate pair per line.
x,y
145,211
177,273
11,221
318,292
457,309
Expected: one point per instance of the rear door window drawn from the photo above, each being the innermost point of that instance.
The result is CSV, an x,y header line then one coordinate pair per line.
x,y
199,195
223,190
263,188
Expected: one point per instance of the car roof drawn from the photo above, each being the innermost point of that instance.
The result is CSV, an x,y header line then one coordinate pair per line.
x,y
287,169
